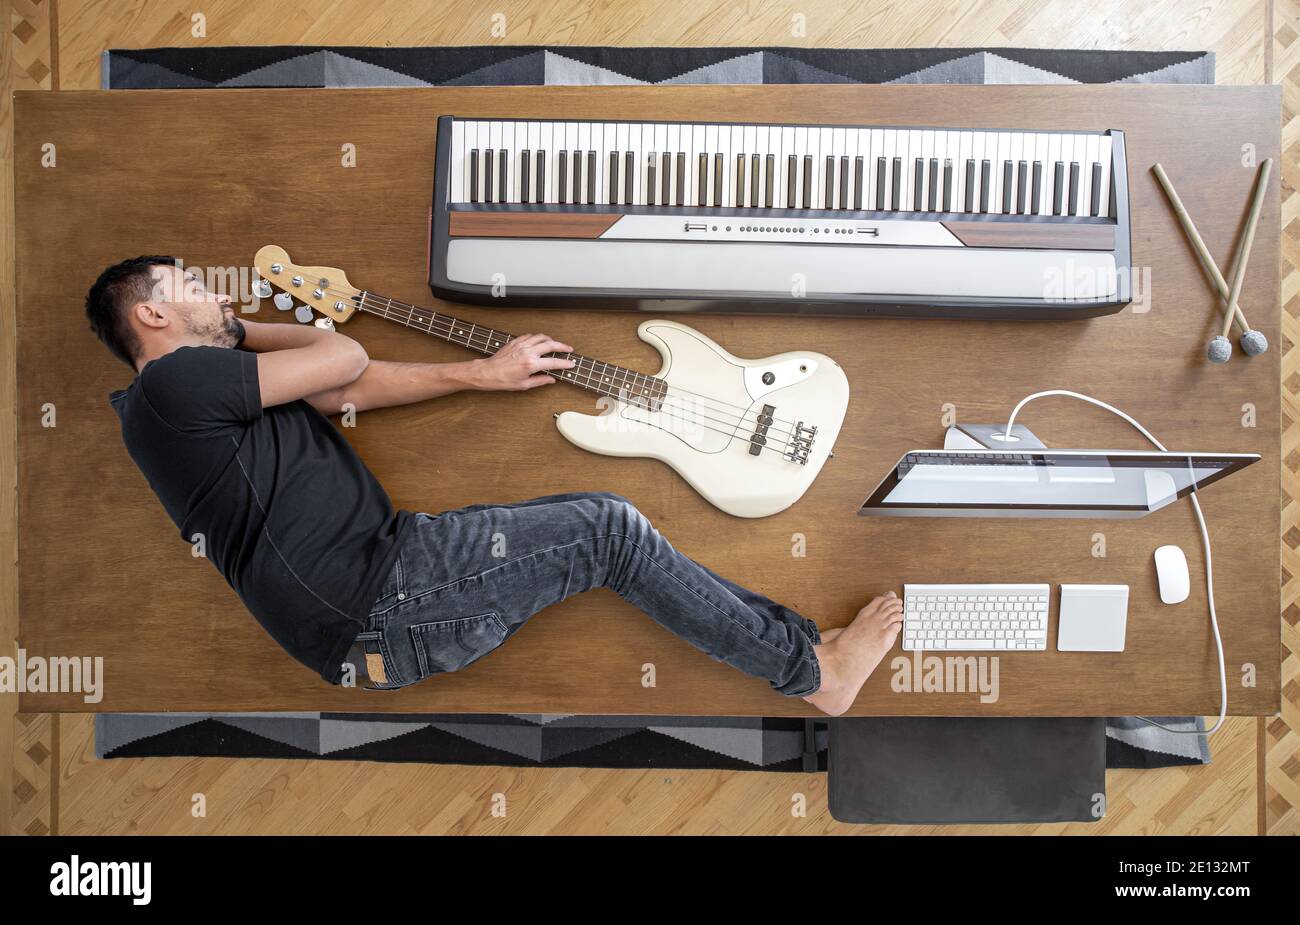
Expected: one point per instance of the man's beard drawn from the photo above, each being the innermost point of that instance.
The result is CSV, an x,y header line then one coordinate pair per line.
x,y
223,333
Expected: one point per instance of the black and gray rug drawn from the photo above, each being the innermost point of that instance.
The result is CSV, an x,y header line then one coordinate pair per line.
x,y
534,65
591,741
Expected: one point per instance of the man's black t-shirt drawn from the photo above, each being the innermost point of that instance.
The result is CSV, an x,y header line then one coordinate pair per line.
x,y
285,508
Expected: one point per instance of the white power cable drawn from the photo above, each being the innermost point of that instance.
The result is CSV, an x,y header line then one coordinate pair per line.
x,y
1007,436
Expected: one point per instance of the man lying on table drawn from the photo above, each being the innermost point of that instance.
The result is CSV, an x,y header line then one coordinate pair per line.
x,y
225,418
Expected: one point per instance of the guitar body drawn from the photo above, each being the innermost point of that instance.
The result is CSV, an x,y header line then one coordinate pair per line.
x,y
705,428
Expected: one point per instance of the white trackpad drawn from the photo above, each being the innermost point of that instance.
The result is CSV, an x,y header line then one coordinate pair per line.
x,y
1093,618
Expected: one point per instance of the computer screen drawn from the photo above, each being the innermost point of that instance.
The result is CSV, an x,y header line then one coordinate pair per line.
x,y
1045,483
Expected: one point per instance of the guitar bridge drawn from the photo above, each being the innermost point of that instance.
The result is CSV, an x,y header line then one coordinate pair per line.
x,y
800,444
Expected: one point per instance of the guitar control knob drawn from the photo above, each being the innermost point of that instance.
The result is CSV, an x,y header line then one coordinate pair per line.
x,y
769,377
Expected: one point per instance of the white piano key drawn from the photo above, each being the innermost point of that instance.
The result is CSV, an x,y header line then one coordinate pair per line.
x,y
1001,154
818,144
459,160
546,147
876,149
656,147
927,152
673,144
978,141
582,146
1041,155
622,144
856,144
693,165
1069,157
1104,154
1093,148
1049,172
728,144
533,141
782,167
965,145
839,150
493,142
1017,154
750,146
801,150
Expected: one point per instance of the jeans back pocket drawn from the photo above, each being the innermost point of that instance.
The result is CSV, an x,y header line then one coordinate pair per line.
x,y
449,645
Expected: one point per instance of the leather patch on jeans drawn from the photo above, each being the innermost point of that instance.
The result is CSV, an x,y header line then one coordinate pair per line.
x,y
375,668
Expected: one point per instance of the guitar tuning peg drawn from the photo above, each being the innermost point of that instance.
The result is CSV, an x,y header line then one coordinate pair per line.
x,y
325,324
284,301
304,314
262,289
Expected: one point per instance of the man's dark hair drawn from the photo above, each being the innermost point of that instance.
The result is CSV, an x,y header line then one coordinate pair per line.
x,y
118,288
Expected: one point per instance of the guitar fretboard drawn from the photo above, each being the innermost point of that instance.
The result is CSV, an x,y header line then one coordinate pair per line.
x,y
594,375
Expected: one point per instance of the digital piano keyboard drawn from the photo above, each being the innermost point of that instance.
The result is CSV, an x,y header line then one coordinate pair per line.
x,y
794,219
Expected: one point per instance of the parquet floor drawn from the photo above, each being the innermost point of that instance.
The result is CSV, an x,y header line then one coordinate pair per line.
x,y
49,780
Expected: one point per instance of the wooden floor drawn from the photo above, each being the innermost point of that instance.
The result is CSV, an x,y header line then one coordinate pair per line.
x,y
49,778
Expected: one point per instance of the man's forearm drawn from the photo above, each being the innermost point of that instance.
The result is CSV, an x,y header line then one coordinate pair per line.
x,y
384,384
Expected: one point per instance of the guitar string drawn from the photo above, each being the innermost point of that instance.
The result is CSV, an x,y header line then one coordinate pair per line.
x,y
443,328
597,382
736,433
449,325
686,415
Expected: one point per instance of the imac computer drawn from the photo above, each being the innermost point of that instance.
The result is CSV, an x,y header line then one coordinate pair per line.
x,y
1038,482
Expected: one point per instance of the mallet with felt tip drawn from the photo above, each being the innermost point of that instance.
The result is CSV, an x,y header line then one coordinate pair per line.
x,y
1252,342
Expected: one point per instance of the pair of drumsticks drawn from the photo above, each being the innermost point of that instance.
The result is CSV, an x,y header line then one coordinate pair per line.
x,y
1252,342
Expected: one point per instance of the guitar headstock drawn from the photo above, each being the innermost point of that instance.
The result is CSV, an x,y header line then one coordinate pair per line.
x,y
324,289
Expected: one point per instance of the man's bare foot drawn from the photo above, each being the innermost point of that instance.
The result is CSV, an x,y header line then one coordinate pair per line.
x,y
848,655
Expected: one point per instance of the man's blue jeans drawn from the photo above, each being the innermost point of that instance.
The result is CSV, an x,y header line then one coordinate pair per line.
x,y
466,580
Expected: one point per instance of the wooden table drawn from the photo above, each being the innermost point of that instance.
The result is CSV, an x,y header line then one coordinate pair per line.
x,y
211,176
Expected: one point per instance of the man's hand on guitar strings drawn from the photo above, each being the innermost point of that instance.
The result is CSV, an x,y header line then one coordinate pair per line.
x,y
521,364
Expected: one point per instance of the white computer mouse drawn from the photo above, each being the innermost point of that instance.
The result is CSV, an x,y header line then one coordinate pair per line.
x,y
1171,572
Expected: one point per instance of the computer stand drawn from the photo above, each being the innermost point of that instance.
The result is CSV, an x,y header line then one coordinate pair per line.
x,y
988,437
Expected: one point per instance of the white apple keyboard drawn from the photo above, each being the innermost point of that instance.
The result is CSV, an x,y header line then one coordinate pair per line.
x,y
972,617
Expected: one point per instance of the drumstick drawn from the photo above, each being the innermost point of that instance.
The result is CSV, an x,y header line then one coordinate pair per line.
x,y
1256,203
1198,245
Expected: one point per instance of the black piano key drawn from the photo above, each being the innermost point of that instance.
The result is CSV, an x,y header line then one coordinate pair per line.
x,y
918,184
576,192
791,180
828,184
754,164
881,172
858,165
1007,183
523,175
562,177
473,175
539,194
666,162
986,170
1022,177
947,184
717,181
629,178
934,184
591,177
681,179
703,181
740,181
650,179
896,174
487,175
503,165
807,181
844,182
1058,187
1036,189
1074,189
1095,206
970,185
613,178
